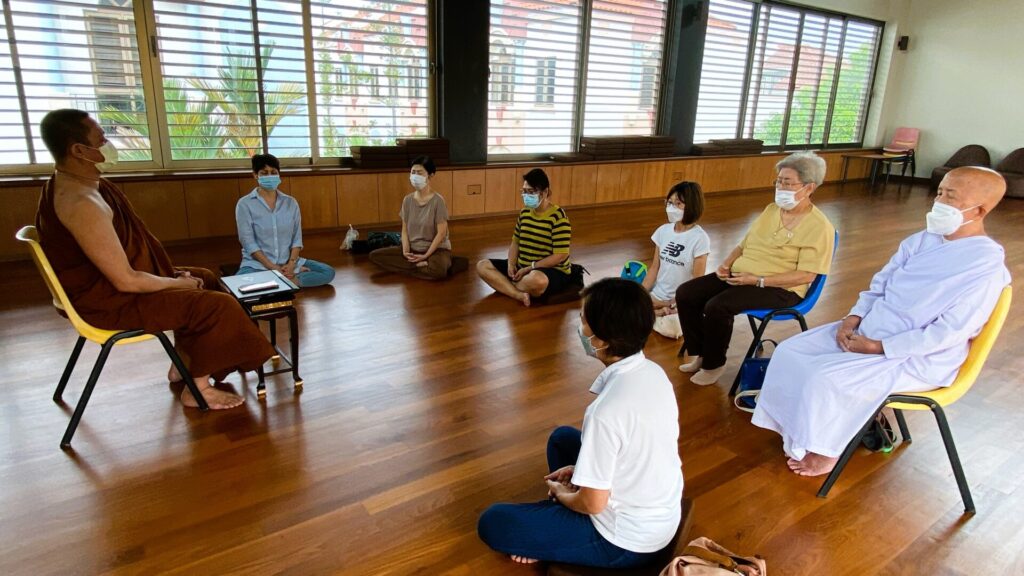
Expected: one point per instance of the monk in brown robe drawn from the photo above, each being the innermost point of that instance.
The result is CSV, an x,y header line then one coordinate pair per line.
x,y
118,275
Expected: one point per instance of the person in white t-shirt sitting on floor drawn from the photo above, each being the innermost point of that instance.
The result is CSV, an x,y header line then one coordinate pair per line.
x,y
681,250
614,489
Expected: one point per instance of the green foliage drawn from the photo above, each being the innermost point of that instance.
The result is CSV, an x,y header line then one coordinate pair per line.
x,y
809,108
235,99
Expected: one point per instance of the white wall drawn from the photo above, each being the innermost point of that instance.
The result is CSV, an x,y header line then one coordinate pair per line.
x,y
962,80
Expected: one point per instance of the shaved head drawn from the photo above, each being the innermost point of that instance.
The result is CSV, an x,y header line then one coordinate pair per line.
x,y
976,185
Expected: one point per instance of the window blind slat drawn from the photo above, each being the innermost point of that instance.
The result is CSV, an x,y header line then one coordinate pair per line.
x,y
534,64
211,83
371,80
72,55
624,67
797,77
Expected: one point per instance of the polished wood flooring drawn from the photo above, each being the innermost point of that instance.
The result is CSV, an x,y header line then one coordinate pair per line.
x,y
426,402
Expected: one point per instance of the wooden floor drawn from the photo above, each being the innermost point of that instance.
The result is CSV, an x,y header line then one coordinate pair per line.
x,y
426,402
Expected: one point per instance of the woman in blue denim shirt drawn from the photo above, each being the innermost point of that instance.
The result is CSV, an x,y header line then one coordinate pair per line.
x,y
270,229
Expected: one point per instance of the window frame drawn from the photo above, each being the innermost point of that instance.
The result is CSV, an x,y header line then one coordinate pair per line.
x,y
749,65
156,115
580,78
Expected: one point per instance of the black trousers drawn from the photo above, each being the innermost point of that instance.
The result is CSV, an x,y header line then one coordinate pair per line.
x,y
707,306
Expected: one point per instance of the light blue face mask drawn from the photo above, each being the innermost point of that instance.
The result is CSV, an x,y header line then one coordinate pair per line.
x,y
531,200
269,182
588,346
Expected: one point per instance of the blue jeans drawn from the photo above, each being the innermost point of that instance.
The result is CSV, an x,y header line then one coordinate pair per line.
x,y
548,530
319,274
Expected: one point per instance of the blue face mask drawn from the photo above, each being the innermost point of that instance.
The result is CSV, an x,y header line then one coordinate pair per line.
x,y
269,182
588,346
531,200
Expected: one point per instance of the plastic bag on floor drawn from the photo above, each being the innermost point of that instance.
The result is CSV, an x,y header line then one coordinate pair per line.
x,y
351,236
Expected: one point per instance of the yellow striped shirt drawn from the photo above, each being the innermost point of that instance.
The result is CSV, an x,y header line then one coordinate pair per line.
x,y
540,235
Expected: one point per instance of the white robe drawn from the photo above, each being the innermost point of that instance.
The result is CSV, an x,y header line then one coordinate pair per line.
x,y
925,306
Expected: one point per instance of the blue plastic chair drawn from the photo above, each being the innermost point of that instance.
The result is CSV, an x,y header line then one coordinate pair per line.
x,y
797,312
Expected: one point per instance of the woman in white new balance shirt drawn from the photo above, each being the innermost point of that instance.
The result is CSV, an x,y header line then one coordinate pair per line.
x,y
681,247
614,488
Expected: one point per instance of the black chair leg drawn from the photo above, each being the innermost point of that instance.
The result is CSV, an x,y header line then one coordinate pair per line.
x,y
186,376
904,431
86,393
758,333
954,458
69,369
845,457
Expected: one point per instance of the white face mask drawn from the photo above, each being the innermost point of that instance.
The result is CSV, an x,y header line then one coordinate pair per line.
x,y
945,219
785,199
418,182
674,214
109,153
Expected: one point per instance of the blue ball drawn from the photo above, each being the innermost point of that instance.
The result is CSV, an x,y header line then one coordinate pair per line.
x,y
634,270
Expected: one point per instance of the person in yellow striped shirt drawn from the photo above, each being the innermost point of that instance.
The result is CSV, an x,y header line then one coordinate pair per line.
x,y
538,259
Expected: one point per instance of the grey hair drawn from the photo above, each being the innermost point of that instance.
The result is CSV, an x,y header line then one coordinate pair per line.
x,y
809,167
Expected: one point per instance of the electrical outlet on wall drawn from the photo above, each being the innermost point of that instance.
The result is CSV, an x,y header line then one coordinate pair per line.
x,y
474,189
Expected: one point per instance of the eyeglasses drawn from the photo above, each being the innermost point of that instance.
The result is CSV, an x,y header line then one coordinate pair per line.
x,y
675,203
787,183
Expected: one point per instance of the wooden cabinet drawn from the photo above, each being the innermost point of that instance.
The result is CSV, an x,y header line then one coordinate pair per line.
x,y
358,199
19,210
317,200
161,205
210,205
502,190
468,192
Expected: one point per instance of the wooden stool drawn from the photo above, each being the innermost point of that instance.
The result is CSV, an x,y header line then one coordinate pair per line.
x,y
673,549
262,300
291,361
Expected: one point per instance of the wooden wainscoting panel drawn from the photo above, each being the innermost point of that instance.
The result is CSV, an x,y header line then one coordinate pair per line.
x,y
468,188
393,187
720,174
211,206
501,192
317,198
654,180
20,206
584,185
757,171
631,181
607,185
683,171
161,205
358,199
442,184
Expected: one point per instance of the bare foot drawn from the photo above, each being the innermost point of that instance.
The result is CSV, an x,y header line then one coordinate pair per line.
x,y
812,465
525,299
173,376
216,399
523,559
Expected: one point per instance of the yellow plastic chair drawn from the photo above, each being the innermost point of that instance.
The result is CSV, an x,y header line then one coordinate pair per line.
x,y
934,400
107,339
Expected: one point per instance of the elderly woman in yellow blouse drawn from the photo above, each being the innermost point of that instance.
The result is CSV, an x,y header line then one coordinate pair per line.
x,y
789,244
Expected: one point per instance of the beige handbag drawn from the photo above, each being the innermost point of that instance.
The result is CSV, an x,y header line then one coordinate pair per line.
x,y
702,557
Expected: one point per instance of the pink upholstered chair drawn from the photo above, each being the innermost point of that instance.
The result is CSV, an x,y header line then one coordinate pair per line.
x,y
903,150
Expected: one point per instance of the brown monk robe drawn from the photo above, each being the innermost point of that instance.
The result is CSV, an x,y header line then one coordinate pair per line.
x,y
212,332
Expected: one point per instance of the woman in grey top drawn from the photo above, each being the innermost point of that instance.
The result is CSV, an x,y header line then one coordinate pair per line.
x,y
425,251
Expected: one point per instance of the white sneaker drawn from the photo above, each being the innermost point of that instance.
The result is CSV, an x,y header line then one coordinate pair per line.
x,y
692,366
707,377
